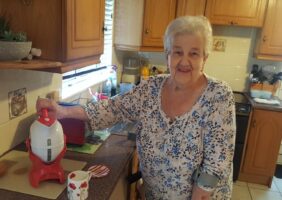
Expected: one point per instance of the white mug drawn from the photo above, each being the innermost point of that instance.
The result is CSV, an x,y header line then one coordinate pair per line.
x,y
78,184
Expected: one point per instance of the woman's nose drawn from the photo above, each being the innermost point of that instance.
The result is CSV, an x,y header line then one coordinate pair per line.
x,y
185,60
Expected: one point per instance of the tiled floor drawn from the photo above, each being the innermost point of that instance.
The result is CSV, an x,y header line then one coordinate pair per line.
x,y
250,191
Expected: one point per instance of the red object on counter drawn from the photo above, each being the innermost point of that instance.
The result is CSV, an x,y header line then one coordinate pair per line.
x,y
74,130
41,171
45,119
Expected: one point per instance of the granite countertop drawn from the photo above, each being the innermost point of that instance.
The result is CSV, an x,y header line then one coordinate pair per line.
x,y
263,106
116,152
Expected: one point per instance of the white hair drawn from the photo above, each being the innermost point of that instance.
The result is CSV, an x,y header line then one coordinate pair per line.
x,y
189,25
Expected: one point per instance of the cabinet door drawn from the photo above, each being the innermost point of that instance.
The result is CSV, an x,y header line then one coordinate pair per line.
x,y
157,15
236,12
84,28
42,22
191,7
263,143
271,41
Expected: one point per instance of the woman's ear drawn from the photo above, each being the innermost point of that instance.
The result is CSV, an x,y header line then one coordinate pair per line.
x,y
204,62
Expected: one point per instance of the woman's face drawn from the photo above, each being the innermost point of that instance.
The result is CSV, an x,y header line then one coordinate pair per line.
x,y
186,58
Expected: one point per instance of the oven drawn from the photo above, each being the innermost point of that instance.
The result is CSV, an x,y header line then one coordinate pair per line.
x,y
243,109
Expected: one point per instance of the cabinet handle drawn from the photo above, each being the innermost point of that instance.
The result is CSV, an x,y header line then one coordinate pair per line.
x,y
146,31
233,23
27,2
264,38
105,28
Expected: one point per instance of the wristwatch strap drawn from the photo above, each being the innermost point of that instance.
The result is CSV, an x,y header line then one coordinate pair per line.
x,y
205,180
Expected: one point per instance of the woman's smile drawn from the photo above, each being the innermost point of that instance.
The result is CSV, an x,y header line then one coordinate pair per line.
x,y
184,69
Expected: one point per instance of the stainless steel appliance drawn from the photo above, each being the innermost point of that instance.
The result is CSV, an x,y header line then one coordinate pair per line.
x,y
243,109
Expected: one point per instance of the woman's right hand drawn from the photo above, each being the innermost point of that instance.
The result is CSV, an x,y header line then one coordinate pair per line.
x,y
54,110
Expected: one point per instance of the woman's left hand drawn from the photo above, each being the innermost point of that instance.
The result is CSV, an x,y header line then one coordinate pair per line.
x,y
200,194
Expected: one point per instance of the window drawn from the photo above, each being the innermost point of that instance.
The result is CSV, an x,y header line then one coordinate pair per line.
x,y
78,80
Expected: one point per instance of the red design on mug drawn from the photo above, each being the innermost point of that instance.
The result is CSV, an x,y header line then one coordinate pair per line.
x,y
72,175
72,186
83,185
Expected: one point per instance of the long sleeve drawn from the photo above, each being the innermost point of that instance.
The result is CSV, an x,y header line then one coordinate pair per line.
x,y
219,135
126,107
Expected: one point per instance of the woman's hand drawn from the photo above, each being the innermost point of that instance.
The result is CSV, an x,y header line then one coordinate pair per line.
x,y
200,194
54,110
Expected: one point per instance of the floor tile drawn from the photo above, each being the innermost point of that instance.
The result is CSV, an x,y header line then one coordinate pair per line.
x,y
263,187
240,183
240,193
258,194
278,183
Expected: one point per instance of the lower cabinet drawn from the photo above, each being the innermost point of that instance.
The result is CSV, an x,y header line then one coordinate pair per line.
x,y
262,149
121,190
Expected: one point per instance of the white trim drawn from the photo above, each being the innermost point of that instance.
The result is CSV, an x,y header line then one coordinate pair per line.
x,y
81,83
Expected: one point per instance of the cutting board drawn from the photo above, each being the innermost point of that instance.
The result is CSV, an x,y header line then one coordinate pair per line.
x,y
15,178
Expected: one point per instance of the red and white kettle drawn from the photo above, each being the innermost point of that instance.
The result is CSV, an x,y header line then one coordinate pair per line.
x,y
46,137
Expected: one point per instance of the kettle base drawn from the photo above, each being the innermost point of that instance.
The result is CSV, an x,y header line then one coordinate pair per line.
x,y
41,171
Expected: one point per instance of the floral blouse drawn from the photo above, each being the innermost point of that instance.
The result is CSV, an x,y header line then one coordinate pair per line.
x,y
170,151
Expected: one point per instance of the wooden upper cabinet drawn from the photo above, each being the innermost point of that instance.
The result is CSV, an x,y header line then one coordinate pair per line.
x,y
270,40
190,7
265,134
236,12
67,31
84,28
157,15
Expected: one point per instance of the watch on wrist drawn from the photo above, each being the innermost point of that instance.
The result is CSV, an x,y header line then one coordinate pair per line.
x,y
204,180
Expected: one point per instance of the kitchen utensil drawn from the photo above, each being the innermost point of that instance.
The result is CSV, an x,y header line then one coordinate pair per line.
x,y
46,137
46,146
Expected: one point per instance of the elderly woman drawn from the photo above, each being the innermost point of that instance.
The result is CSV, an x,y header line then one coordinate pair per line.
x,y
186,128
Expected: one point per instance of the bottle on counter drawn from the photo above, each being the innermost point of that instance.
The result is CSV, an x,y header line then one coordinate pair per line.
x,y
145,72
113,79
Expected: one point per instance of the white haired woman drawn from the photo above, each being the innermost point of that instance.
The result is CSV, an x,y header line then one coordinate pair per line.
x,y
186,129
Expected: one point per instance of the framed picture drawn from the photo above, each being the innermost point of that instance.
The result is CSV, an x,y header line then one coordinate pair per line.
x,y
17,103
219,44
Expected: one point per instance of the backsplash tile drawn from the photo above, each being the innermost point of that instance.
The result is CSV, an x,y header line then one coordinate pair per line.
x,y
13,131
233,65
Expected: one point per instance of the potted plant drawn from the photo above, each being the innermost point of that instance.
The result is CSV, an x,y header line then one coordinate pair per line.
x,y
13,45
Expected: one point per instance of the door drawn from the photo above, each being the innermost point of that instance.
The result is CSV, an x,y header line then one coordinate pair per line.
x,y
271,40
236,12
84,28
263,143
157,15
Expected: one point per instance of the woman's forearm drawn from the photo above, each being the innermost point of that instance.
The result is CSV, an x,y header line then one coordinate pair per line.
x,y
75,112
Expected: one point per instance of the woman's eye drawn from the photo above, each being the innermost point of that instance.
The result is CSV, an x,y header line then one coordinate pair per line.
x,y
177,53
194,54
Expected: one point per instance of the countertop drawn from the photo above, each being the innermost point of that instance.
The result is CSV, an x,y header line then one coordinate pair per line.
x,y
276,108
115,152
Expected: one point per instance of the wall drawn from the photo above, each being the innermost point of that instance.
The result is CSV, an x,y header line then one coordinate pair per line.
x,y
15,130
233,65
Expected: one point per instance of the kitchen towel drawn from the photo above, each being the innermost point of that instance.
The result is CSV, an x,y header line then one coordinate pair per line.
x,y
267,101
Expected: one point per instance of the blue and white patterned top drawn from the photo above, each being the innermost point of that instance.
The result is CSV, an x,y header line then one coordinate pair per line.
x,y
169,152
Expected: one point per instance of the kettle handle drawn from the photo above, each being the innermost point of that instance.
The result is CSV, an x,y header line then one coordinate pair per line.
x,y
44,117
44,112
